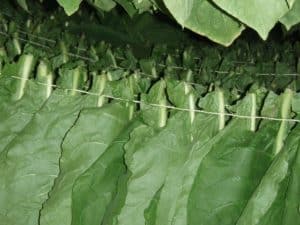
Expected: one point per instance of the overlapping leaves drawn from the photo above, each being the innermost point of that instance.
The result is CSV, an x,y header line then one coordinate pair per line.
x,y
75,165
219,20
103,145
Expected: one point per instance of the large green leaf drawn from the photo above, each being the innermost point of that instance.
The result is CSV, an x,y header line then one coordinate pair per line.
x,y
225,164
205,19
173,200
276,199
16,114
292,17
147,164
261,15
230,165
30,162
150,163
172,204
96,187
290,203
138,137
94,131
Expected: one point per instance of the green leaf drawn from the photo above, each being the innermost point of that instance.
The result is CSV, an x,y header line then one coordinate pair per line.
x,y
30,162
70,6
96,187
14,115
72,79
142,5
172,205
292,17
150,212
276,198
290,203
94,131
105,5
155,116
150,163
296,103
261,15
23,4
230,165
128,6
117,203
205,19
138,137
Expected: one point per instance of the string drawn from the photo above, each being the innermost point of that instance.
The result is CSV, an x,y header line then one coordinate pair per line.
x,y
47,39
38,37
47,47
81,57
161,106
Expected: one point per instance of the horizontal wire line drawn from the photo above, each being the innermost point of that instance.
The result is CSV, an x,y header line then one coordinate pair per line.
x,y
161,106
48,47
238,73
33,43
36,36
81,57
39,37
47,39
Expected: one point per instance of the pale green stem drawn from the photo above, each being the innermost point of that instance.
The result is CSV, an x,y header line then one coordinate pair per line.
x,y
101,84
131,105
154,72
163,113
26,64
113,59
49,81
253,112
75,82
17,45
131,108
42,70
64,51
285,112
187,87
45,76
221,109
192,107
28,23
